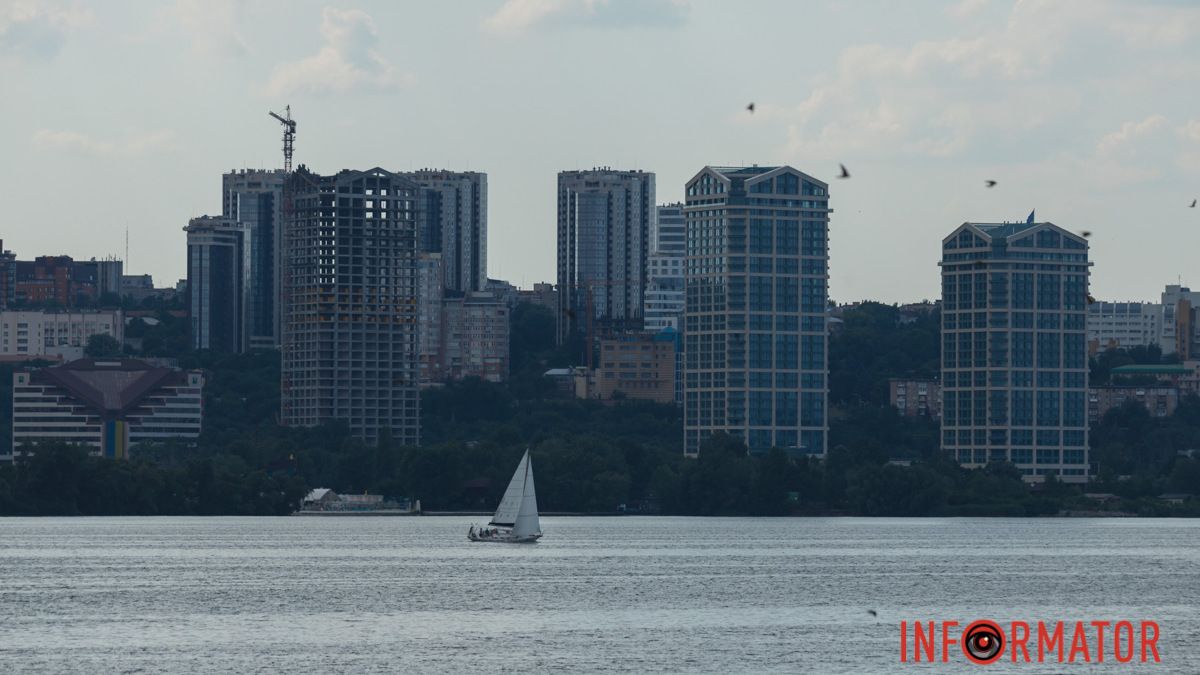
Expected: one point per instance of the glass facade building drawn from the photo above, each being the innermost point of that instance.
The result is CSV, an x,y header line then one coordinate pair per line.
x,y
254,199
605,218
217,266
756,297
670,230
452,215
1014,348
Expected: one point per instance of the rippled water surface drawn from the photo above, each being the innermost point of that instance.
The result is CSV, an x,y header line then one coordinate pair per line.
x,y
242,595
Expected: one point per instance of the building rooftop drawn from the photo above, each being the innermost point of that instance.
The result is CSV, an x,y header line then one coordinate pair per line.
x,y
107,385
742,170
1152,369
999,230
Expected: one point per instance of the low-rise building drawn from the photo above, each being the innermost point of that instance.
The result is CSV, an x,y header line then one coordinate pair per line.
x,y
542,294
460,335
108,405
56,334
58,279
1159,401
1182,375
503,290
1123,325
916,398
638,365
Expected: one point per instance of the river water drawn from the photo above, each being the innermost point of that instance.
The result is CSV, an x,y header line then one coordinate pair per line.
x,y
633,594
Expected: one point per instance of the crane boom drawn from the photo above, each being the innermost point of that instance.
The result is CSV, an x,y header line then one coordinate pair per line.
x,y
289,135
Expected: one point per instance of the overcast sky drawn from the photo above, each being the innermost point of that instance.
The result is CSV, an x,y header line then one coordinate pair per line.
x,y
125,114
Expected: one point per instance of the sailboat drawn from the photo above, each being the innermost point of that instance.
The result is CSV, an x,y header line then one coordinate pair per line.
x,y
516,519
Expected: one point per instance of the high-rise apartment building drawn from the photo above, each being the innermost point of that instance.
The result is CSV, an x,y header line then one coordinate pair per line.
x,y
217,268
664,291
756,277
1180,323
604,222
8,277
452,214
350,298
670,230
254,199
1014,348
430,292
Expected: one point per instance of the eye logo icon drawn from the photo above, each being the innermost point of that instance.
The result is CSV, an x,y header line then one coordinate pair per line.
x,y
983,642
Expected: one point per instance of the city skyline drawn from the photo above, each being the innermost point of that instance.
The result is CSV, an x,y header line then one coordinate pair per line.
x,y
923,106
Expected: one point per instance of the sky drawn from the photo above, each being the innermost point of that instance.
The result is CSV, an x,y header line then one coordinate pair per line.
x,y
123,115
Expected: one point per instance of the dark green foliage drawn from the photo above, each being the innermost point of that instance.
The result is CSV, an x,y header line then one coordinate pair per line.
x,y
532,351
1102,364
873,345
589,456
102,347
170,336
63,480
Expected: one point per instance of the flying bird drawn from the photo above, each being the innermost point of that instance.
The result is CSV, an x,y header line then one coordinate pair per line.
x,y
1085,234
873,613
1193,204
845,173
751,107
989,183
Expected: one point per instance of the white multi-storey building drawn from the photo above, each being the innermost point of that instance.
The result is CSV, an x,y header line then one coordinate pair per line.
x,y
1123,325
108,405
58,334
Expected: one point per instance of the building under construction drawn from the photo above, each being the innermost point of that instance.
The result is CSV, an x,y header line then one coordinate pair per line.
x,y
350,303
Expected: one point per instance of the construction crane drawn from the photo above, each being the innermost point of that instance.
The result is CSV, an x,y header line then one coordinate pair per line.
x,y
289,135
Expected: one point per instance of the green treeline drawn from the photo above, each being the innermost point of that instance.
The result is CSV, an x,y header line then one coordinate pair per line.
x,y
594,457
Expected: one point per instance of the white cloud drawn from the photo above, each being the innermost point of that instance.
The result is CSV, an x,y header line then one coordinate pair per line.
x,y
515,16
1129,133
36,29
941,97
1156,27
213,25
1191,130
132,146
966,8
348,60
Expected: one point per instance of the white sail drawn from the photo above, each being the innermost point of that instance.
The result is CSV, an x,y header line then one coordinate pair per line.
x,y
527,523
510,505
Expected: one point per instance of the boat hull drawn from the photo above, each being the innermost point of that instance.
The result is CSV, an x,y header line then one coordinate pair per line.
x,y
505,538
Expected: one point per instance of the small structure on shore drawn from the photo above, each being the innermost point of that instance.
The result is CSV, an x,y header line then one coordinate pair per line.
x,y
324,501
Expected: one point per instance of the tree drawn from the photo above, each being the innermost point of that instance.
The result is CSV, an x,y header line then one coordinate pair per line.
x,y
102,347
